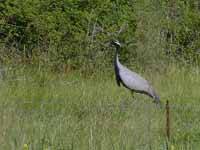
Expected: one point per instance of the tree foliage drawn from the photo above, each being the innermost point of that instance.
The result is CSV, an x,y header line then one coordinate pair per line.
x,y
183,26
77,31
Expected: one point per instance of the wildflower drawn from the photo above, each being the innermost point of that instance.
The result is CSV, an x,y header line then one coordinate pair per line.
x,y
45,148
172,147
25,146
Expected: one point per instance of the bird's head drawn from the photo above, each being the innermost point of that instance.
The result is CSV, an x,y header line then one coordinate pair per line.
x,y
115,43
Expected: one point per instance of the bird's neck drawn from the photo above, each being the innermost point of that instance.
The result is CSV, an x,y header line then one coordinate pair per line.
x,y
116,59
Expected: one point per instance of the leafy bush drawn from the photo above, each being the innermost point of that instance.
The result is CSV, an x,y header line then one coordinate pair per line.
x,y
75,33
184,31
66,31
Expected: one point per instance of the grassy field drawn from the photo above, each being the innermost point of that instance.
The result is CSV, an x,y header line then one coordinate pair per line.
x,y
46,111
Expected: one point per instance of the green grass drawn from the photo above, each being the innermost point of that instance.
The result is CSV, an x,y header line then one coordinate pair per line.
x,y
68,111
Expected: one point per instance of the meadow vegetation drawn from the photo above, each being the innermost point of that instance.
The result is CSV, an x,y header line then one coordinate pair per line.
x,y
59,90
59,111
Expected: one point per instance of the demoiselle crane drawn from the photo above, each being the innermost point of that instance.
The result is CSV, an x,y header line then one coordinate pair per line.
x,y
130,79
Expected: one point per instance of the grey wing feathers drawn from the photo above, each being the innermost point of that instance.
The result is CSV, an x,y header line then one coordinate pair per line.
x,y
155,96
135,82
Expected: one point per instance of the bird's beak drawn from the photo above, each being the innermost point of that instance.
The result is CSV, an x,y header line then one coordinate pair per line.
x,y
108,43
111,42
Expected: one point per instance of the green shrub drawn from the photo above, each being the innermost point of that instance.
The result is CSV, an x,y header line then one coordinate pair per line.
x,y
66,31
76,32
184,31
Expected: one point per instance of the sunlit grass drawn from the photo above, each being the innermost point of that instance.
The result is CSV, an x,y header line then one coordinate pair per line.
x,y
69,111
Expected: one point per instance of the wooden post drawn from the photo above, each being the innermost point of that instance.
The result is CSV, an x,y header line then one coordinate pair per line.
x,y
167,125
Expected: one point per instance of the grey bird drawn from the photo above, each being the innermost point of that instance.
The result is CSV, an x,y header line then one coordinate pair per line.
x,y
130,79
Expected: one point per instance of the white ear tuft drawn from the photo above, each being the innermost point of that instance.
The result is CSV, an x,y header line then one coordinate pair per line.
x,y
117,43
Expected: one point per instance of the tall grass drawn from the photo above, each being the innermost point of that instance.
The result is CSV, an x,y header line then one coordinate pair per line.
x,y
68,111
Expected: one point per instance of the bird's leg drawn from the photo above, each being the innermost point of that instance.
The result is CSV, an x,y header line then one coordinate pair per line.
x,y
132,93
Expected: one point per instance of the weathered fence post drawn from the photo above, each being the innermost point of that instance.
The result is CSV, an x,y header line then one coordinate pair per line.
x,y
167,125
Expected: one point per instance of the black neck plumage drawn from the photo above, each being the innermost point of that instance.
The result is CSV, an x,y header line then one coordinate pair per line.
x,y
118,79
116,58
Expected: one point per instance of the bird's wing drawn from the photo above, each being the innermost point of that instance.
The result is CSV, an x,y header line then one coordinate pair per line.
x,y
133,81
